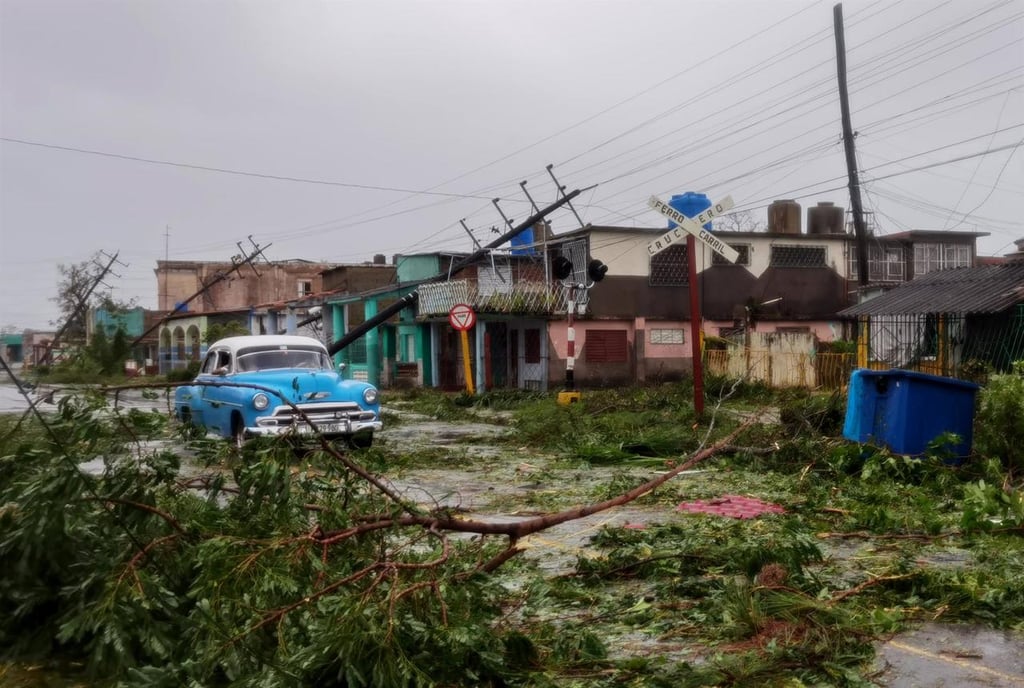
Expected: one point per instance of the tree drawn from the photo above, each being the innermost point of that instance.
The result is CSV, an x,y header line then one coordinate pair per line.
x,y
74,292
120,350
79,290
740,221
218,331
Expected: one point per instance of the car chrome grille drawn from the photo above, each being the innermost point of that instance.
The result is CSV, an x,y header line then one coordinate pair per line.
x,y
285,415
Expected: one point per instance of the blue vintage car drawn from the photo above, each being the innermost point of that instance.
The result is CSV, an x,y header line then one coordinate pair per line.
x,y
251,386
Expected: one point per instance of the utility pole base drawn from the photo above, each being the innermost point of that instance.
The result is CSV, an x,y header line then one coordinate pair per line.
x,y
566,398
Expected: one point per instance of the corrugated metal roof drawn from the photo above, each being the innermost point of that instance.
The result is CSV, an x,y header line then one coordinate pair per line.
x,y
983,289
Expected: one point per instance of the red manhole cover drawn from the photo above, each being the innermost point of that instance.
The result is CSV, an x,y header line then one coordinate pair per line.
x,y
734,506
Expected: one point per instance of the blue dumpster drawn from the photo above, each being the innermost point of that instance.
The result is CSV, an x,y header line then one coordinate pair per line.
x,y
905,410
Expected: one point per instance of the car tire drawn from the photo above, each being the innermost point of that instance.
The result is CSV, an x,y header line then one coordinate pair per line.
x,y
237,431
189,428
362,440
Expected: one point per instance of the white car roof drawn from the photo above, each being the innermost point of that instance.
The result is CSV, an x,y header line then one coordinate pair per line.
x,y
265,340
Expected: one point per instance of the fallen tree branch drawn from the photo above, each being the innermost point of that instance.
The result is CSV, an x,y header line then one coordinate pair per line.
x,y
516,530
878,580
171,521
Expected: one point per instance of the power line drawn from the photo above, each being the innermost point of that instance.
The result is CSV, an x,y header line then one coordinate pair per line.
x,y
964,216
224,170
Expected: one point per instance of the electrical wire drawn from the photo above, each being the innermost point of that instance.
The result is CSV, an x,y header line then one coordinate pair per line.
x,y
224,170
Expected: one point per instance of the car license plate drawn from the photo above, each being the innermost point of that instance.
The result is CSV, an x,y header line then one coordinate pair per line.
x,y
326,428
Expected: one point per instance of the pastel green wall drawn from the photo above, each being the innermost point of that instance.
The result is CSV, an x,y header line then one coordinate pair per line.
x,y
411,268
130,321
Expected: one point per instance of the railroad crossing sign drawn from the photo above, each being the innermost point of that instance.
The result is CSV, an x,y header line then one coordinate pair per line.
x,y
694,226
461,317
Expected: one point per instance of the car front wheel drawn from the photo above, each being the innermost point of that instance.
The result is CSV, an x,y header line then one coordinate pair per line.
x,y
190,429
363,440
237,431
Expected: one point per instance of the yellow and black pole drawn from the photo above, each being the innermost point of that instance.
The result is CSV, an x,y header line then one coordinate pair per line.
x,y
462,318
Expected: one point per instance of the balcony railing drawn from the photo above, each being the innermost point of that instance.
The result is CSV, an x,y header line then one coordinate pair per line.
x,y
522,298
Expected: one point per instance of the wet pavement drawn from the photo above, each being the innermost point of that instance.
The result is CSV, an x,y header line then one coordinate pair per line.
x,y
484,478
45,397
952,655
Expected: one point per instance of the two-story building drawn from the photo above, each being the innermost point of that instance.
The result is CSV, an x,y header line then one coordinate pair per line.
x,y
634,325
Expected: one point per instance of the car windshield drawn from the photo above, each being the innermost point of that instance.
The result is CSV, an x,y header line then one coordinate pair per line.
x,y
250,360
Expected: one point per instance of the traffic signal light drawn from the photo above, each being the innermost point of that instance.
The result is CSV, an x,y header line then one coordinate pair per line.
x,y
562,267
596,270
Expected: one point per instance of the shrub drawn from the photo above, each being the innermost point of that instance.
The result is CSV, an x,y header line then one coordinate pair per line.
x,y
184,374
1000,420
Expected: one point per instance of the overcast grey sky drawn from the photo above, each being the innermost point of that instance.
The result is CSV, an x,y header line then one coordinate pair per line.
x,y
446,104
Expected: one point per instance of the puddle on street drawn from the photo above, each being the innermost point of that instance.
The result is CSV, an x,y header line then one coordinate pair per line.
x,y
940,655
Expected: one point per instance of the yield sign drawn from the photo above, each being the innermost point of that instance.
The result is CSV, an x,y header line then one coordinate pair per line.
x,y
694,226
461,317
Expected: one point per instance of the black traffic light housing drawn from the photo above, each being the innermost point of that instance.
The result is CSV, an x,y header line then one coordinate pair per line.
x,y
596,270
562,267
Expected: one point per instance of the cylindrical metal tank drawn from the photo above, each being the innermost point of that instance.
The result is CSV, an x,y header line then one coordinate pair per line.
x,y
690,204
784,217
522,243
825,218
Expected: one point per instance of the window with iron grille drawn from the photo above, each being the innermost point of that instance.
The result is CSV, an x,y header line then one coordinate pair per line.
x,y
789,256
666,336
894,263
669,268
742,249
606,346
357,351
885,263
939,256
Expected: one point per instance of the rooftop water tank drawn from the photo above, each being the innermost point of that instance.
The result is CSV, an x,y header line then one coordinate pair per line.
x,y
784,217
690,204
522,243
825,218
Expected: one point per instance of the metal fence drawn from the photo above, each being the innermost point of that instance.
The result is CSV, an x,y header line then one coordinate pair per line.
x,y
968,347
825,371
514,298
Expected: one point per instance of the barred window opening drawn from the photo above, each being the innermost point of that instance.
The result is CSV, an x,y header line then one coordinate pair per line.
x,y
669,268
788,256
743,259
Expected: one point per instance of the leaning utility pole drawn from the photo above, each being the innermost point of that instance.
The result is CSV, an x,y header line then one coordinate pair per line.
x,y
411,298
79,311
236,265
851,156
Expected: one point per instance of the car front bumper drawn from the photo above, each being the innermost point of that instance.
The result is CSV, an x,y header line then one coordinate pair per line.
x,y
326,428
331,419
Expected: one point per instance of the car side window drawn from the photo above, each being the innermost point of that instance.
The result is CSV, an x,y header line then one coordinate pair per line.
x,y
210,363
224,359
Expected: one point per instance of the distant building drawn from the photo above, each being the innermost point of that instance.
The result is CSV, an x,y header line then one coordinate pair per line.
x,y
36,347
283,297
11,349
135,322
226,286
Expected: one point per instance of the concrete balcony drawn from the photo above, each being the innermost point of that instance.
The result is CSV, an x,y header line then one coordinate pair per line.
x,y
522,298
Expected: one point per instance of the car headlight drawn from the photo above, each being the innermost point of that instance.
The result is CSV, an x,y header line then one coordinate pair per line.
x,y
370,395
260,401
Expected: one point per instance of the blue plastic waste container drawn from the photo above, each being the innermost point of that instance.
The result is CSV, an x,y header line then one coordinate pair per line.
x,y
905,410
